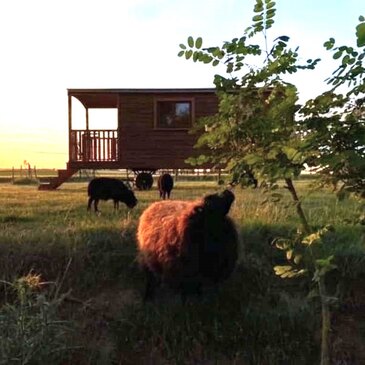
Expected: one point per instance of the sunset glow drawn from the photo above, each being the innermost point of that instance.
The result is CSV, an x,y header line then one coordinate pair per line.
x,y
48,47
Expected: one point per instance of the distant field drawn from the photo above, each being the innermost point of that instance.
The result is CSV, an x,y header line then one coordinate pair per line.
x,y
256,318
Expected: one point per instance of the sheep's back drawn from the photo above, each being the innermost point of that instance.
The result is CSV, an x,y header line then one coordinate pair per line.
x,y
165,182
161,232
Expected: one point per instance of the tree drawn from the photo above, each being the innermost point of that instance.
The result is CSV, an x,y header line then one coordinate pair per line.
x,y
334,123
256,130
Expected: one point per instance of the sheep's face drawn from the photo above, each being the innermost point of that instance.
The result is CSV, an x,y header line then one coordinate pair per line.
x,y
127,196
219,203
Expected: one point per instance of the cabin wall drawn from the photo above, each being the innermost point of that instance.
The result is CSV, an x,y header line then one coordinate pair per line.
x,y
141,146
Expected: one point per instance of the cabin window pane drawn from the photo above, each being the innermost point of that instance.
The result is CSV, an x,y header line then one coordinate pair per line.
x,y
173,114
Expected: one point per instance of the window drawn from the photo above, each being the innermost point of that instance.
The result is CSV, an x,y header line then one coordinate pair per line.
x,y
174,114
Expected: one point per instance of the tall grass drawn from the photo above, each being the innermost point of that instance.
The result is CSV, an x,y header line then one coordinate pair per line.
x,y
255,318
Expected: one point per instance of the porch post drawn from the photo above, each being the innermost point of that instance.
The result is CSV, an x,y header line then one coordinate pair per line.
x,y
119,130
69,127
87,118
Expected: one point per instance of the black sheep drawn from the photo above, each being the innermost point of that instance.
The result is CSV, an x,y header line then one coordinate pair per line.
x,y
165,184
106,188
187,244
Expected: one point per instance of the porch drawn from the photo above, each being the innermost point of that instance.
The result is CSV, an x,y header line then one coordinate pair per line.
x,y
96,145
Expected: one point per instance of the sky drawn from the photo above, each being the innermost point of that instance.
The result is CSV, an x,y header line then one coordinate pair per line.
x,y
48,46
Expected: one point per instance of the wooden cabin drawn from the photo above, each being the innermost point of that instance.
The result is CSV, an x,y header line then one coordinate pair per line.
x,y
151,133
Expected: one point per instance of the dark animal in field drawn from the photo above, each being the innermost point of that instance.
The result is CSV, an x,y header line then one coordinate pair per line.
x,y
144,181
245,177
106,188
165,184
187,244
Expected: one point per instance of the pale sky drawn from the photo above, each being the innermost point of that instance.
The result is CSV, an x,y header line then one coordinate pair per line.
x,y
48,46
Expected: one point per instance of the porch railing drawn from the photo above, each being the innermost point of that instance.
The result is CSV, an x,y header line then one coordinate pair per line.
x,y
94,145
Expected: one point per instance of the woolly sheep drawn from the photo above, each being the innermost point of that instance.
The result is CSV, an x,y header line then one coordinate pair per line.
x,y
187,244
105,188
165,184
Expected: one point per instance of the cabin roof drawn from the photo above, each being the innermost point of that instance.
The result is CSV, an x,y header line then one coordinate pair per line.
x,y
108,98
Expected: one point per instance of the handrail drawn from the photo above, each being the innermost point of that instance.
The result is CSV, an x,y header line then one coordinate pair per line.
x,y
94,145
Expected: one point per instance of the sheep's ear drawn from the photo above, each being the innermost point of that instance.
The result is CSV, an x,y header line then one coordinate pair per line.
x,y
228,198
230,186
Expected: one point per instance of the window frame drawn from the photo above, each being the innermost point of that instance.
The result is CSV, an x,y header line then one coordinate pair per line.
x,y
179,99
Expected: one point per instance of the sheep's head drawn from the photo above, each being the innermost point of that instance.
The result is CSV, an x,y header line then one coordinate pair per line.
x,y
127,196
219,203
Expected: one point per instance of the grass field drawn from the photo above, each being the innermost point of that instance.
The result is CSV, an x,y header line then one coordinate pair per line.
x,y
92,308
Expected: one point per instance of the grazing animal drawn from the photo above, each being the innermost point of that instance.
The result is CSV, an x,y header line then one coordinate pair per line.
x,y
106,188
165,184
186,244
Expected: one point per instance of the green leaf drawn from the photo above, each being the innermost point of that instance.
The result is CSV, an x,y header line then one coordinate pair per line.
x,y
360,34
270,5
251,159
298,259
346,60
188,54
182,46
280,270
181,53
310,239
337,55
215,63
258,7
361,18
191,41
257,18
198,42
270,14
329,44
281,243
206,58
288,272
290,152
283,38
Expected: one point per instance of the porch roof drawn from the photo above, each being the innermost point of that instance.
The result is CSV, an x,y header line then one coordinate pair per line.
x,y
108,98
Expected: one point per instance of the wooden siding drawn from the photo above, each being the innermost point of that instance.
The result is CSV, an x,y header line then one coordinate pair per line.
x,y
143,146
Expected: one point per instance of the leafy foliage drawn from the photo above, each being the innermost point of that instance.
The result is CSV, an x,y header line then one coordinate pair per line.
x,y
255,129
336,141
334,123
304,255
351,69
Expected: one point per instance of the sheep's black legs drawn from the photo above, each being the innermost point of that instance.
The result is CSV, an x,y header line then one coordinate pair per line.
x,y
96,201
89,203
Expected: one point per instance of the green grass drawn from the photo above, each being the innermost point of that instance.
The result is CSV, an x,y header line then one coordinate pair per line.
x,y
255,318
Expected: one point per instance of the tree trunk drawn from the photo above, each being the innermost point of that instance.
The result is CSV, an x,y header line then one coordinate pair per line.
x,y
326,323
303,219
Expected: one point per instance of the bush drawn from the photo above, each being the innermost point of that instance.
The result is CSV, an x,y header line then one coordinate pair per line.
x,y
31,332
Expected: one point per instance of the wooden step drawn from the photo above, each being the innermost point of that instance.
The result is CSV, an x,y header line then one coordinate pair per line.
x,y
55,182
